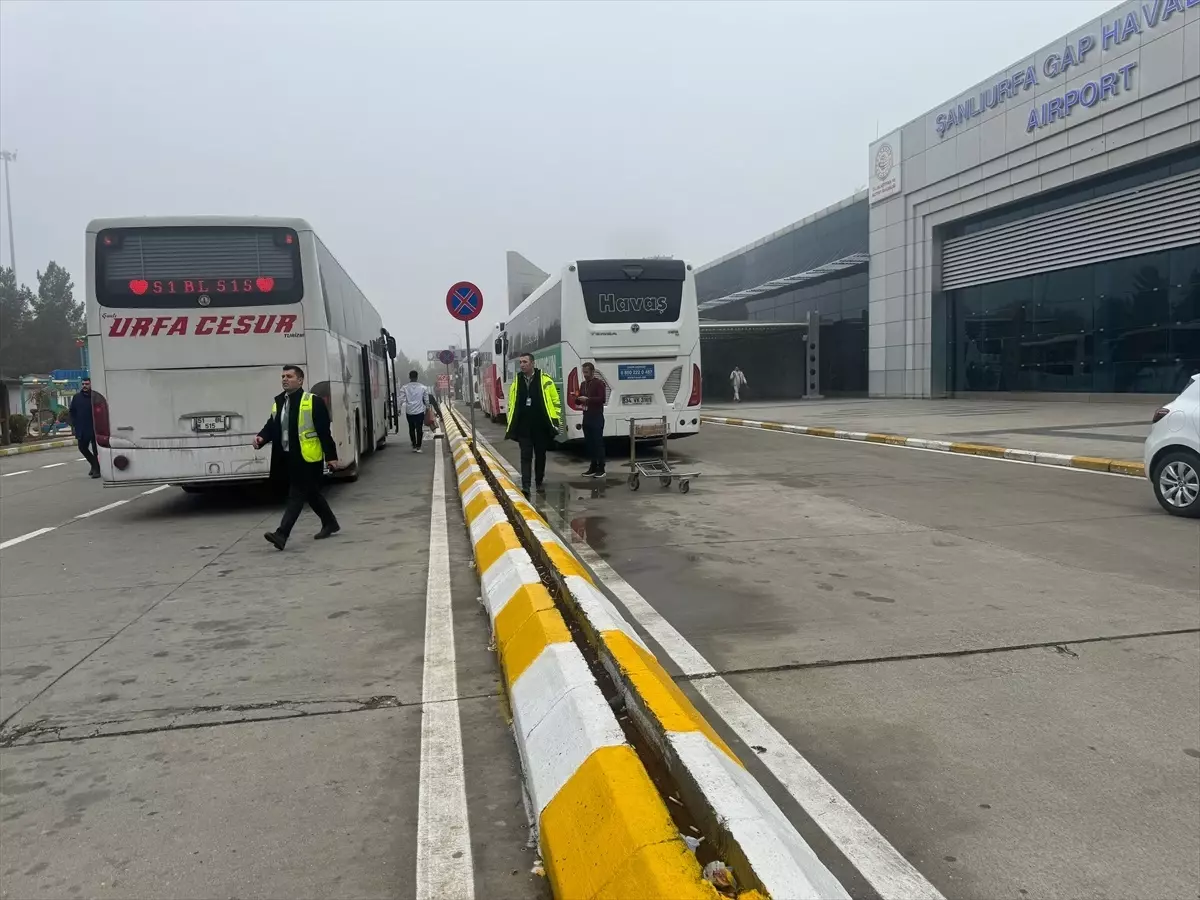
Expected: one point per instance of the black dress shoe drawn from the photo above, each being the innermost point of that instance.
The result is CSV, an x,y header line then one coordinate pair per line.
x,y
277,539
326,531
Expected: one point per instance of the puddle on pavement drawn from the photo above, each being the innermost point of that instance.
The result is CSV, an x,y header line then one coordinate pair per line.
x,y
569,500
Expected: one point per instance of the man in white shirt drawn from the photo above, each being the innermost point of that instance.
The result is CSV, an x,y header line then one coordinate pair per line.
x,y
414,398
737,378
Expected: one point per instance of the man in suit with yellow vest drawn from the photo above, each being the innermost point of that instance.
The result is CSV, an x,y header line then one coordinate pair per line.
x,y
534,419
298,431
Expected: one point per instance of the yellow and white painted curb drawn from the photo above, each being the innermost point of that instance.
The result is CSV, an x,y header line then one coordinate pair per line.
x,y
753,835
34,448
1091,463
603,829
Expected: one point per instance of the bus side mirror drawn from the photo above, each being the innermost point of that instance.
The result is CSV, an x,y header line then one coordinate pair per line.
x,y
391,346
499,347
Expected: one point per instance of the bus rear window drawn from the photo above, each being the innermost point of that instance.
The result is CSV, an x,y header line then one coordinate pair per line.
x,y
168,268
617,291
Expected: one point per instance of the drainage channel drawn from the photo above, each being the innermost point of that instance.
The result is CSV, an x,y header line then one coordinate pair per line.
x,y
690,826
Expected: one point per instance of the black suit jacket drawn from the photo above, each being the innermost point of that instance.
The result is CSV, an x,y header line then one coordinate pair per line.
x,y
272,432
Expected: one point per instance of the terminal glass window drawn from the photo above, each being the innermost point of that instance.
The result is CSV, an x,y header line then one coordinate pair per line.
x,y
1128,325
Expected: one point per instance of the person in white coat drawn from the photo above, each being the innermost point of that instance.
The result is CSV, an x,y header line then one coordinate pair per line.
x,y
737,378
415,400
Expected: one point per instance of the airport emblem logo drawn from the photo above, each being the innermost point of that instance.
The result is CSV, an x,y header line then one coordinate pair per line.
x,y
885,159
884,164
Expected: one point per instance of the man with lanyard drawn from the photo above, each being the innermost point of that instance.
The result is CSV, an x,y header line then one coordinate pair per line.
x,y
533,419
298,431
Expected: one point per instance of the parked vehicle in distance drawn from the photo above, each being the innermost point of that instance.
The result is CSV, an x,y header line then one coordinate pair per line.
x,y
493,377
636,321
1172,453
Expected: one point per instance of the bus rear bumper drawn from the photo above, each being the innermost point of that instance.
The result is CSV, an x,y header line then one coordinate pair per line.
x,y
135,467
680,423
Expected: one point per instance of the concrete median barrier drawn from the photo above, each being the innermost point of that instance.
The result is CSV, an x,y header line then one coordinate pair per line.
x,y
1091,463
603,829
750,833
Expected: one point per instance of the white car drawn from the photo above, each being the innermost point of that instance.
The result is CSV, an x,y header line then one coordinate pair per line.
x,y
1172,453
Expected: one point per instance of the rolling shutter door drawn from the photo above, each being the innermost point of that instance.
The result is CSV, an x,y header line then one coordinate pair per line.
x,y
1143,220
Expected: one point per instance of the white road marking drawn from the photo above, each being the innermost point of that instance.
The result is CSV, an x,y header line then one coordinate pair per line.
x,y
155,490
882,865
54,465
101,509
18,540
445,867
21,472
1019,462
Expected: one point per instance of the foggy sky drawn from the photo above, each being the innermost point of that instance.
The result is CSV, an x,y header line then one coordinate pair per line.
x,y
424,140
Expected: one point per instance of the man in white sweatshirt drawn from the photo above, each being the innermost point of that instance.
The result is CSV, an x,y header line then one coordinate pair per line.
x,y
414,399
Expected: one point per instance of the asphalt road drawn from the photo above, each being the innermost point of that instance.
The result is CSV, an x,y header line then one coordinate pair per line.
x,y
49,488
188,713
997,664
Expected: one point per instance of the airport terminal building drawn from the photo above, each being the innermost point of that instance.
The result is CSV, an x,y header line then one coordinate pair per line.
x,y
1037,233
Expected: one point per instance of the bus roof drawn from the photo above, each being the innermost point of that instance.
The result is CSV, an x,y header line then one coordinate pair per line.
x,y
97,225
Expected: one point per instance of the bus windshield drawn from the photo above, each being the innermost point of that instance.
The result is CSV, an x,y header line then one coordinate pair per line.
x,y
619,291
167,267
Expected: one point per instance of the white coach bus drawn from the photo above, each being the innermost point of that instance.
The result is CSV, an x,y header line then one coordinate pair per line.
x,y
190,321
636,321
493,376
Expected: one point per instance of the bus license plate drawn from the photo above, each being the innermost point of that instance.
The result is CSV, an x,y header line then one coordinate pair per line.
x,y
209,423
637,399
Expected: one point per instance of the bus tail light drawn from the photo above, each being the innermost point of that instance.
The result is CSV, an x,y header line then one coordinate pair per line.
x,y
573,389
694,399
100,420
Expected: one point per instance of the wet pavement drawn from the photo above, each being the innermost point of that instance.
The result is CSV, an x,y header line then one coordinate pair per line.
x,y
997,664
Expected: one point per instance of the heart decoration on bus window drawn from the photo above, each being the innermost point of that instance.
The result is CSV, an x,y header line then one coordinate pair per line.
x,y
265,283
139,286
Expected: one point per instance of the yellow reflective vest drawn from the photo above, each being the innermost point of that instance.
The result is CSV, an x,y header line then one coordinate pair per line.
x,y
310,444
549,399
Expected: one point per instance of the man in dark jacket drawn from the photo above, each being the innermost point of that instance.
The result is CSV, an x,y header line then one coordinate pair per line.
x,y
80,417
533,419
592,394
298,431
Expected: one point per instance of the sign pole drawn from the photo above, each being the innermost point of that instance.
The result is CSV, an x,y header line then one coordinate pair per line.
x,y
470,379
465,301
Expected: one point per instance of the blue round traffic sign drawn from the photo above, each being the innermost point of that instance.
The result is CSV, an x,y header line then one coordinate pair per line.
x,y
446,357
465,301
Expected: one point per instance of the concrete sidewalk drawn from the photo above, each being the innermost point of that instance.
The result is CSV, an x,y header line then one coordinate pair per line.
x,y
1111,430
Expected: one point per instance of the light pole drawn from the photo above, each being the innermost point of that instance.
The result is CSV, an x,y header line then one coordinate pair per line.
x,y
8,157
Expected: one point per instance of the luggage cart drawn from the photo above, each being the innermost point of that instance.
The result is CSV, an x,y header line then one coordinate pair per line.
x,y
659,467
